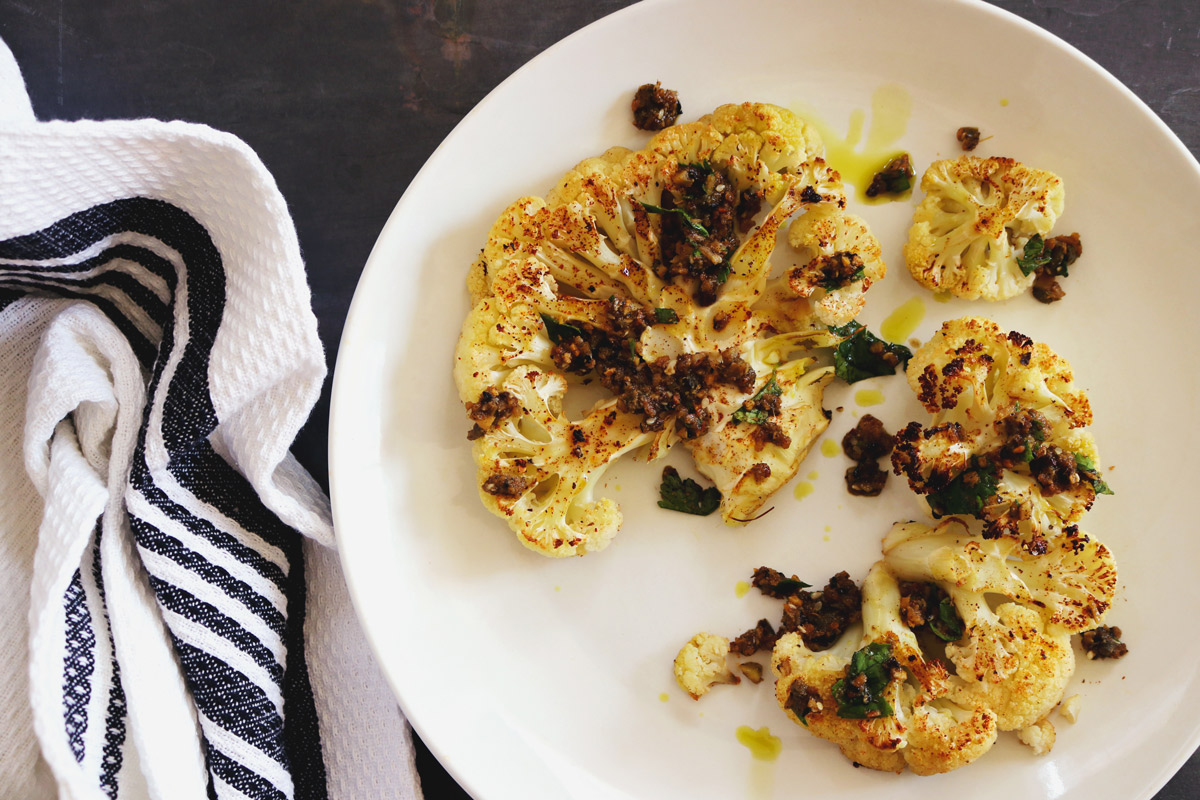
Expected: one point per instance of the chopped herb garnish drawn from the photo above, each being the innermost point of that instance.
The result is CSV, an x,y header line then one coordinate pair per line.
x,y
947,625
968,493
560,332
684,494
1034,255
861,354
789,586
683,215
1087,470
722,273
666,316
703,167
849,329
864,699
755,414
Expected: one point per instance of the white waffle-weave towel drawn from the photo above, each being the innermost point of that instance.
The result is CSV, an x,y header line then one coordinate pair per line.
x,y
173,622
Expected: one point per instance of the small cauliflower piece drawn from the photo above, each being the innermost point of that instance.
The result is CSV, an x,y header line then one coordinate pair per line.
x,y
977,216
839,260
701,664
1070,708
1039,737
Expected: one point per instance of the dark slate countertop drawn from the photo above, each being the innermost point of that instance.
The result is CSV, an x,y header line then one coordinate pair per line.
x,y
345,99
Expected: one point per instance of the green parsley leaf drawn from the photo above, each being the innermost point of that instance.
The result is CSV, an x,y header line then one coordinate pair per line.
x,y
947,625
861,354
683,215
666,316
684,494
789,586
867,701
968,493
756,415
560,332
1033,255
849,329
1087,470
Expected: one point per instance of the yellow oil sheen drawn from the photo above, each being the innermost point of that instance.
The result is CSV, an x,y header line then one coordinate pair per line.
x,y
761,743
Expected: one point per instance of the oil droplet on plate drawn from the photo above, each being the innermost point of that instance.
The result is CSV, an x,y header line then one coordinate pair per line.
x,y
868,397
740,588
812,476
891,108
558,588
761,744
803,489
904,320
664,697
830,448
828,528
1004,101
942,297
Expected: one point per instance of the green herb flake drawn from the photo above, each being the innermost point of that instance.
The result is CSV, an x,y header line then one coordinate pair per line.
x,y
684,494
756,415
790,586
560,332
1087,470
865,699
947,625
861,354
968,493
703,167
666,316
685,217
1034,255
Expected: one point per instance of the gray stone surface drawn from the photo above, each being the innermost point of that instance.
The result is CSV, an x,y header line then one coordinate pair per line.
x,y
345,99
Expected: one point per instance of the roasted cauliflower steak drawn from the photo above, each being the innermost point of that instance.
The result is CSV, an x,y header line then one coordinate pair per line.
x,y
890,705
1007,442
649,273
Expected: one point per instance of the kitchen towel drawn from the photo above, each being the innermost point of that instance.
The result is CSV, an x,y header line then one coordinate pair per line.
x,y
173,622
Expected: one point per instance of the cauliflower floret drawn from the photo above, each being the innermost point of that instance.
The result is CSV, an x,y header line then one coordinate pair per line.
x,y
977,216
538,469
1071,585
1039,736
645,271
1007,662
1006,443
839,260
804,689
1008,659
1070,708
896,717
701,664
761,441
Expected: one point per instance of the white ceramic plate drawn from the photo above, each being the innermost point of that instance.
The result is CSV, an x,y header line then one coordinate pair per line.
x,y
532,677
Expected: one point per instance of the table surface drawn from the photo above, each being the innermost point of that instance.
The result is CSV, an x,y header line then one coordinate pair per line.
x,y
345,99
